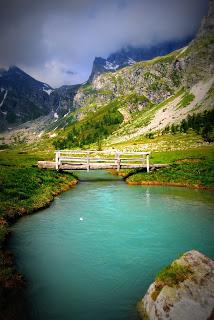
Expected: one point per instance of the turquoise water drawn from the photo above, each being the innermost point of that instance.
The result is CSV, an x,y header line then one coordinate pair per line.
x,y
99,266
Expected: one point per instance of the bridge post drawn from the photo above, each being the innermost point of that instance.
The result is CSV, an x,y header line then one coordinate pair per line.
x,y
147,162
118,161
88,160
143,158
115,159
57,160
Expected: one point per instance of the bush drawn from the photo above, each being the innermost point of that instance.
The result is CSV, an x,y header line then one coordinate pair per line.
x,y
174,274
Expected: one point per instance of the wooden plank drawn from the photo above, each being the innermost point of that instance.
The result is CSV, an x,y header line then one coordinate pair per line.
x,y
96,166
85,159
101,152
46,164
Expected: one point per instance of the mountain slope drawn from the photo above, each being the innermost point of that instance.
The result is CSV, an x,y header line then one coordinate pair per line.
x,y
130,55
150,95
22,98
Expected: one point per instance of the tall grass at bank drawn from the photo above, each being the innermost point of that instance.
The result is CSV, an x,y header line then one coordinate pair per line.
x,y
24,188
192,168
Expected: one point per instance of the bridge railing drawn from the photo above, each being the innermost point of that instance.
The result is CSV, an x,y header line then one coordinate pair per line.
x,y
92,157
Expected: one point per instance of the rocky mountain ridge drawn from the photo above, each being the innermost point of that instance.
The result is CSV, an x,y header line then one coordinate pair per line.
x,y
154,94
130,55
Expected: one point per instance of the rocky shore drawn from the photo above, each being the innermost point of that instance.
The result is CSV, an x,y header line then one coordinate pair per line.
x,y
184,290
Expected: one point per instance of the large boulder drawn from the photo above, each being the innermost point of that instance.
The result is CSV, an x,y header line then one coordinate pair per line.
x,y
184,290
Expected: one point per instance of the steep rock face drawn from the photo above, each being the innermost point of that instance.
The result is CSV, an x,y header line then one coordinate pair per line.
x,y
61,99
155,80
207,25
191,296
130,55
199,57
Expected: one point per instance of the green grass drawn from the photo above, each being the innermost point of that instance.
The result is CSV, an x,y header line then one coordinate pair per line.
x,y
92,129
104,92
202,43
24,188
164,142
193,168
195,174
88,89
186,100
205,153
171,276
144,117
168,58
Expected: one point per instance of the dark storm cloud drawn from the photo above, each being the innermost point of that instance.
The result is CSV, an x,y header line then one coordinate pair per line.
x,y
70,72
48,37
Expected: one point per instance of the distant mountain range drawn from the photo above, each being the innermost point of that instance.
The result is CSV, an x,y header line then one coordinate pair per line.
x,y
22,98
124,98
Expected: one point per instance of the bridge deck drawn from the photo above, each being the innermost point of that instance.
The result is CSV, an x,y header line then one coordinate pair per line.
x,y
97,160
96,166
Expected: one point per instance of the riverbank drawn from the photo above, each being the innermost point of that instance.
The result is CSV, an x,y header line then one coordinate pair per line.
x,y
174,289
24,189
190,168
197,175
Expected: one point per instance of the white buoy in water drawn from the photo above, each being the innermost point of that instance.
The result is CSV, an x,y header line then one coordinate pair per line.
x,y
81,219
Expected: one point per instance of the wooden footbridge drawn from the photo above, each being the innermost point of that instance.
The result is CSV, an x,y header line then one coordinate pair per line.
x,y
98,160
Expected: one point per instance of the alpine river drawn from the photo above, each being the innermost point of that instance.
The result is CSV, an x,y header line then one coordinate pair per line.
x,y
95,251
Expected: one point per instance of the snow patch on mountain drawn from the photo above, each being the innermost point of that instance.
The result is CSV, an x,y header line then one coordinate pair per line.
x,y
65,115
131,61
111,66
5,96
48,91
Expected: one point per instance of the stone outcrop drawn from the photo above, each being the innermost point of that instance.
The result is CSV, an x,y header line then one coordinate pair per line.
x,y
207,25
184,290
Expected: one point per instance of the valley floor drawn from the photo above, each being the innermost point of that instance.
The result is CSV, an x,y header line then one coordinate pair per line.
x,y
25,188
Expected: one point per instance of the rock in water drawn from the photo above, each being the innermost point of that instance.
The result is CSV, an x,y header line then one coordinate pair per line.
x,y
184,290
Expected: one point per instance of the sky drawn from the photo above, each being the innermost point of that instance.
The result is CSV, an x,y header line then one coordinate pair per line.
x,y
56,41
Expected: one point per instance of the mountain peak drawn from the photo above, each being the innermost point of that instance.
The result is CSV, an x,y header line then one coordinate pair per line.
x,y
207,25
129,55
14,68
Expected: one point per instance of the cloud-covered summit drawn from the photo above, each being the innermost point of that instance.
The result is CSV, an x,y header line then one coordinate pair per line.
x,y
56,41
